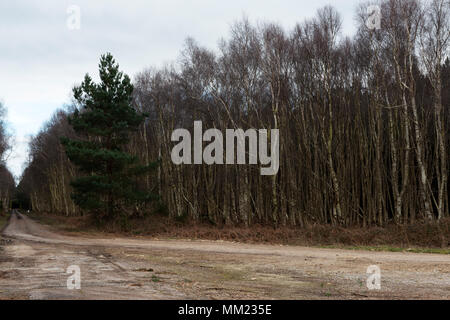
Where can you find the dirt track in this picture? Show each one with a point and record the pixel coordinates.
(34, 260)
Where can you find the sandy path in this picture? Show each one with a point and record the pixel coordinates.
(34, 259)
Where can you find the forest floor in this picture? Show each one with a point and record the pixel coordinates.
(421, 237)
(34, 259)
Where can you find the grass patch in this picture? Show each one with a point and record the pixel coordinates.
(391, 249)
(155, 278)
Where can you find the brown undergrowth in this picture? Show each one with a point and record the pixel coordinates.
(420, 234)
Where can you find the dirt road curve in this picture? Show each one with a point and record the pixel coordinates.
(34, 260)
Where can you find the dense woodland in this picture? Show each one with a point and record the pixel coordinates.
(7, 184)
(364, 124)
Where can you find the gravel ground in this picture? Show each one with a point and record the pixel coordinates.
(34, 260)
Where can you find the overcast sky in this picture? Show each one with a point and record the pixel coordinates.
(41, 59)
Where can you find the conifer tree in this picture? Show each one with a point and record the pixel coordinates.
(104, 119)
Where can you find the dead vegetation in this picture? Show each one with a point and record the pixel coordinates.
(421, 234)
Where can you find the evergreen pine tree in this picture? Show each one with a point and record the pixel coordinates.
(104, 119)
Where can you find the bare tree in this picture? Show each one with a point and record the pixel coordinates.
(434, 41)
(363, 123)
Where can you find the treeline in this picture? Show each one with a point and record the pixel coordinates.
(363, 123)
(7, 184)
(45, 182)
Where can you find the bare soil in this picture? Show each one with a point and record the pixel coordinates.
(34, 259)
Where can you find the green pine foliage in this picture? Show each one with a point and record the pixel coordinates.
(104, 120)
